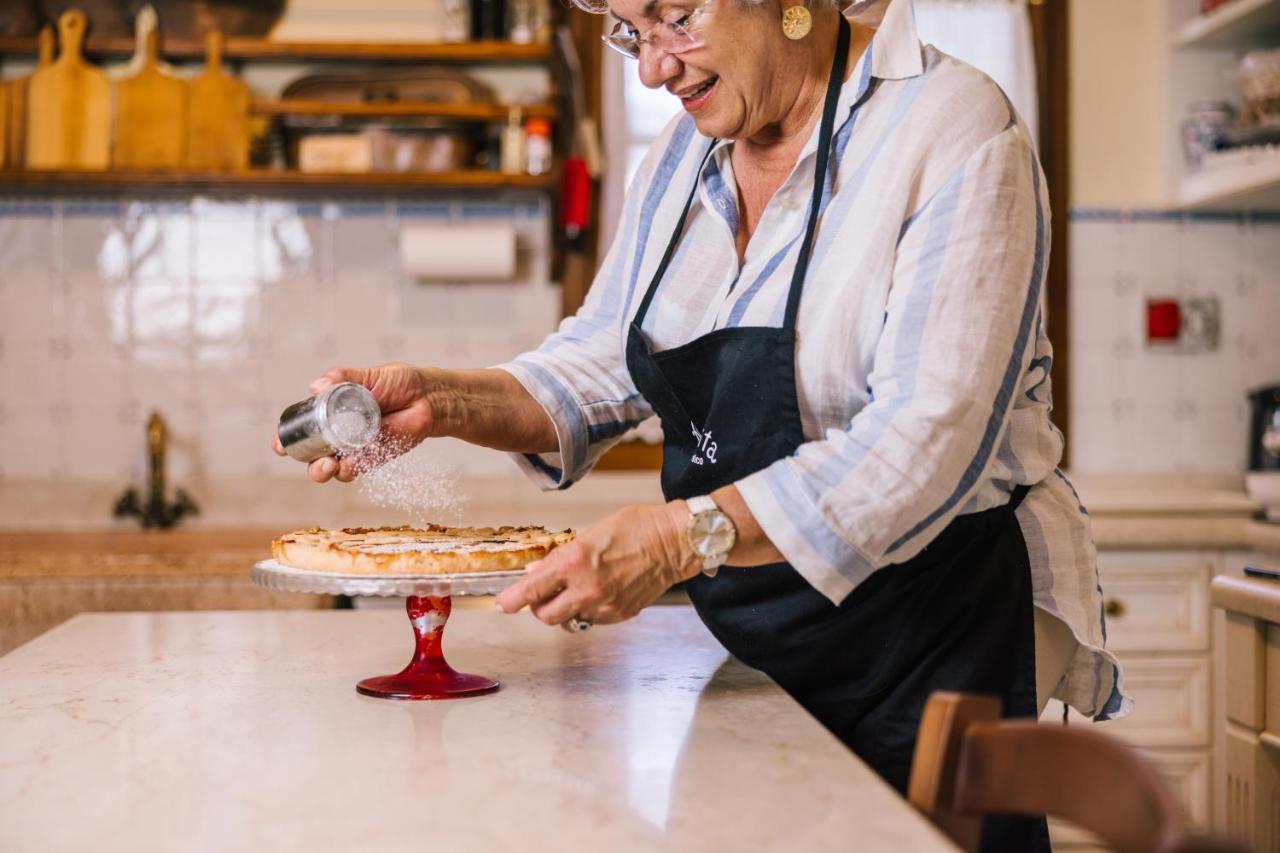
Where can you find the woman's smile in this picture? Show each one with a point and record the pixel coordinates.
(696, 97)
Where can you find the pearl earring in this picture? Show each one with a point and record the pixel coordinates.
(796, 22)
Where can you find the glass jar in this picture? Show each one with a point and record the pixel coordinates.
(1203, 129)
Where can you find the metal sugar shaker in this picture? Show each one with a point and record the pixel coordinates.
(341, 419)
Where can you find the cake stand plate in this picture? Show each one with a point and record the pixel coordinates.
(428, 601)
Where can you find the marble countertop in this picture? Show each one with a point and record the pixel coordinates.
(1164, 494)
(243, 731)
(1174, 511)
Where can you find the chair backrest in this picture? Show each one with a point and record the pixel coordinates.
(968, 763)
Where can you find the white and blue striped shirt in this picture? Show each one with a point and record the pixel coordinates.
(922, 363)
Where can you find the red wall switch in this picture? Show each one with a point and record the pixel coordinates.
(1164, 320)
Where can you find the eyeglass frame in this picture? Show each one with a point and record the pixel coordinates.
(695, 14)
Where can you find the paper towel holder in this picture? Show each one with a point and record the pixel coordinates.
(474, 252)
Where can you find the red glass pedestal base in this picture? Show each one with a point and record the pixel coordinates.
(427, 676)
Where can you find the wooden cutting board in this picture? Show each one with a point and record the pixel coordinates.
(16, 103)
(4, 124)
(150, 115)
(217, 114)
(68, 107)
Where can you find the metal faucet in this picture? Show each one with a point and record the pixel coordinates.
(157, 512)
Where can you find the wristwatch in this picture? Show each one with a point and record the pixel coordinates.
(711, 533)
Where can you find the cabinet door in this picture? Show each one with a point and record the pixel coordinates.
(1156, 601)
(1253, 789)
(1188, 773)
(1170, 702)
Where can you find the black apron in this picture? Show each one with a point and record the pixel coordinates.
(958, 616)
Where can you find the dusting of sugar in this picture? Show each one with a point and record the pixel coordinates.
(393, 475)
(462, 547)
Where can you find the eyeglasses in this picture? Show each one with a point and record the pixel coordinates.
(678, 35)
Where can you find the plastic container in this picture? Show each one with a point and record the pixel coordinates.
(537, 146)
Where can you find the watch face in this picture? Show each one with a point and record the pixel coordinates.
(711, 534)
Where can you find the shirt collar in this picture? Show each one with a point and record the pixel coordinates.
(895, 52)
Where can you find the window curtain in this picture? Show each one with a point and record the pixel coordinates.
(994, 36)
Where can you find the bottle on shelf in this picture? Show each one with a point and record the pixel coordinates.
(537, 146)
(513, 144)
(456, 23)
(528, 21)
(488, 19)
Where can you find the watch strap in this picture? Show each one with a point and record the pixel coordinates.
(697, 506)
(702, 503)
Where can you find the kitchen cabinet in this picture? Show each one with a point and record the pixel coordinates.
(1162, 539)
(1251, 724)
(1159, 623)
(1205, 49)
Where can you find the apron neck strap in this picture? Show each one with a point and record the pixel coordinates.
(826, 130)
(673, 242)
(825, 133)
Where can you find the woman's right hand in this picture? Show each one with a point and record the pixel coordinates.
(407, 418)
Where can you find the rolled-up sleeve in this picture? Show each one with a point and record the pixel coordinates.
(579, 374)
(958, 335)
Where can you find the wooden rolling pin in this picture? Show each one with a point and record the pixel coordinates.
(68, 107)
(150, 114)
(217, 115)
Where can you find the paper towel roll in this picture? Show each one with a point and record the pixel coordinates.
(480, 251)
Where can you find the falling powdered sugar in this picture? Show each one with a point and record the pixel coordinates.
(392, 477)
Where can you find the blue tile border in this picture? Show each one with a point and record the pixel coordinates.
(427, 209)
(89, 208)
(508, 204)
(18, 208)
(1107, 214)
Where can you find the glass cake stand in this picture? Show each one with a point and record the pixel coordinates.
(428, 600)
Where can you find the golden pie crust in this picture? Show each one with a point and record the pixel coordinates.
(433, 550)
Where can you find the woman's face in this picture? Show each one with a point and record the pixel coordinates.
(742, 57)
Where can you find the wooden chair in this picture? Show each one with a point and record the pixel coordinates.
(968, 763)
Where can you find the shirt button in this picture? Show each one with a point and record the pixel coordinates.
(724, 203)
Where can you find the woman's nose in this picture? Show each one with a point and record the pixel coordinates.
(656, 66)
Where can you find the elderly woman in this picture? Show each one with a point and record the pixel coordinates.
(827, 284)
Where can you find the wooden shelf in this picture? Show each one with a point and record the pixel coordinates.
(1236, 25)
(471, 111)
(488, 52)
(31, 180)
(1247, 186)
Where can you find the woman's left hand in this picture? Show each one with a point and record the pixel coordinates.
(611, 571)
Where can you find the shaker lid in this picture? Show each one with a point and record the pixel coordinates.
(351, 416)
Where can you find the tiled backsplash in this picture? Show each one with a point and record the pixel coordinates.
(217, 314)
(1136, 408)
